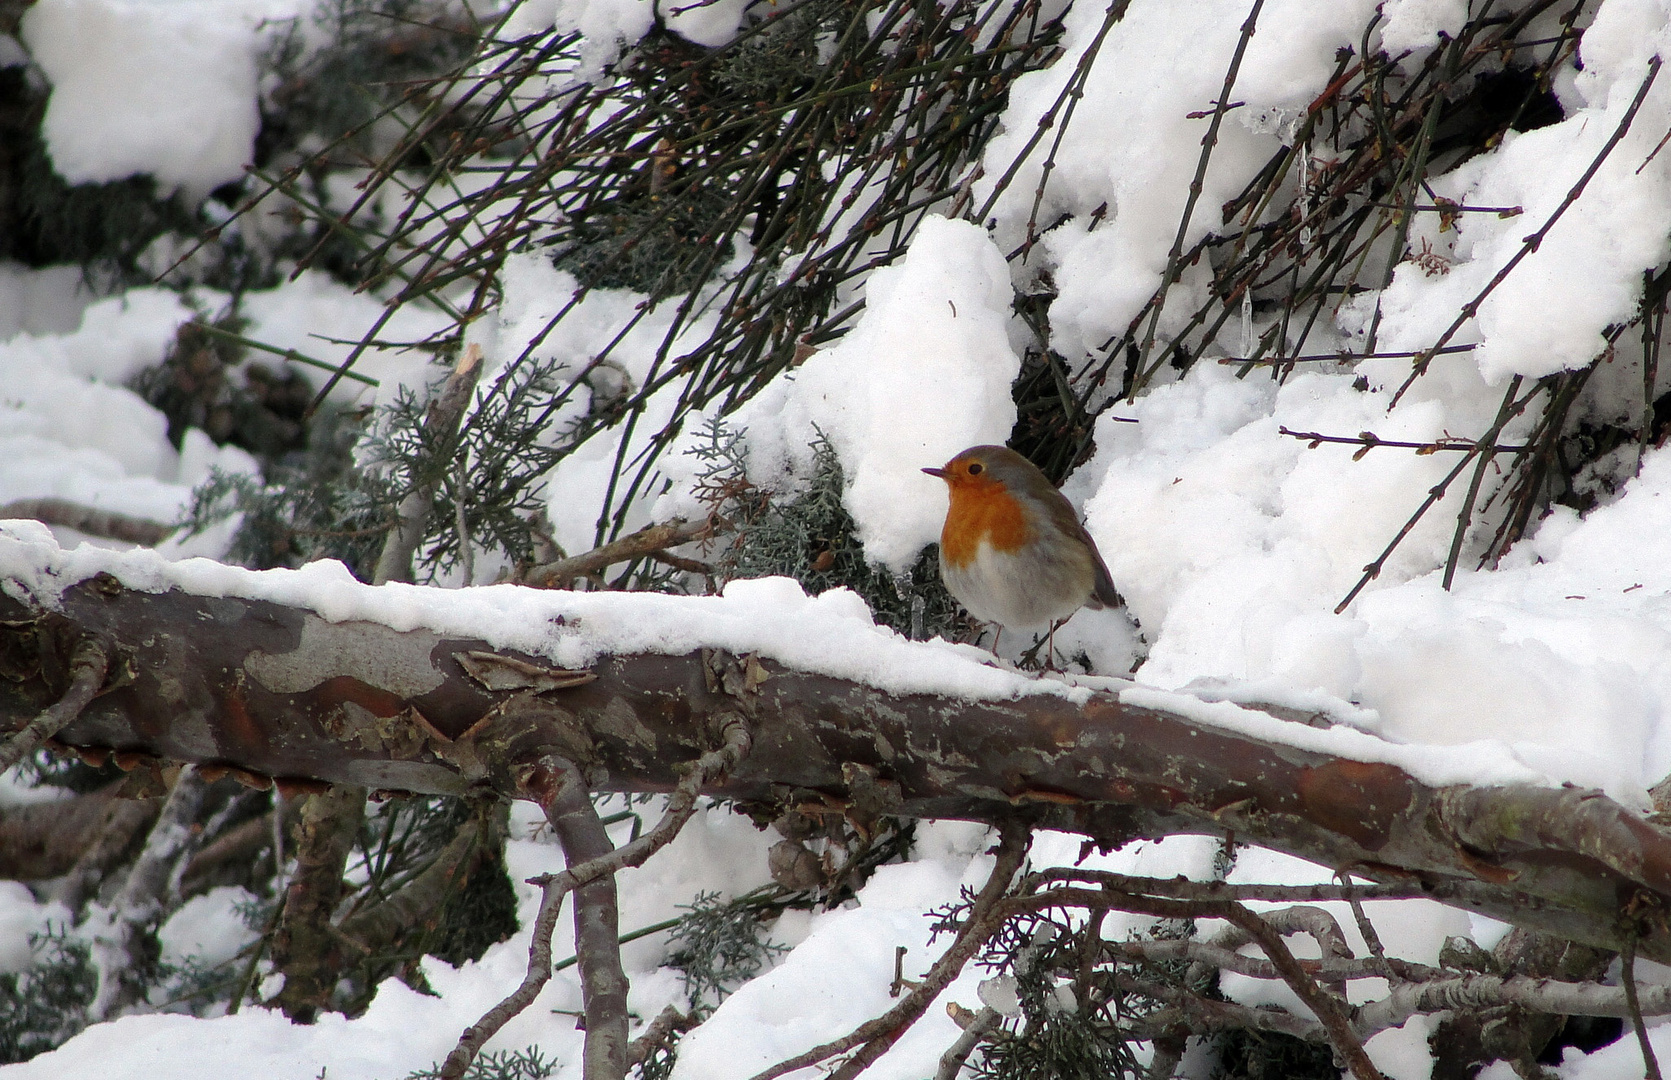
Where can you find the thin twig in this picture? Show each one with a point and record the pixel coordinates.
(546, 782)
(1465, 516)
(874, 1037)
(1486, 444)
(1174, 259)
(653, 540)
(1365, 928)
(1533, 241)
(1369, 440)
(1342, 357)
(88, 664)
(1627, 975)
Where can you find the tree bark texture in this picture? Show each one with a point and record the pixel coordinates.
(275, 691)
(306, 946)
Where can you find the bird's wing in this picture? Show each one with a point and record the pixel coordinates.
(1104, 589)
(1063, 515)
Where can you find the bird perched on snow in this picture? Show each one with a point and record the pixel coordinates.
(1012, 550)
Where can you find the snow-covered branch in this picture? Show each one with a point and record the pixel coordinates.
(276, 690)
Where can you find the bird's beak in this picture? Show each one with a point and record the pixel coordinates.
(941, 473)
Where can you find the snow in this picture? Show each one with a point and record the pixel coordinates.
(1232, 542)
(207, 928)
(161, 87)
(925, 374)
(1135, 150)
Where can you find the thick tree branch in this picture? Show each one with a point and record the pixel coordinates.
(40, 841)
(597, 925)
(89, 519)
(279, 691)
(135, 909)
(306, 946)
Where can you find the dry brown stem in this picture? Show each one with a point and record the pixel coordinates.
(651, 541)
(89, 519)
(873, 1038)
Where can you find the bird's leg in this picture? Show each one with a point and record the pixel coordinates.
(997, 632)
(1050, 646)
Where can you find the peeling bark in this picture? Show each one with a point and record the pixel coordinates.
(277, 691)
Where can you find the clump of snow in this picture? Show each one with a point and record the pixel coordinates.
(166, 89)
(1135, 146)
(620, 343)
(42, 301)
(22, 919)
(1586, 274)
(1415, 24)
(207, 928)
(925, 373)
(609, 27)
(71, 429)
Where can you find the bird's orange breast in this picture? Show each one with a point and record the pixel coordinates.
(984, 512)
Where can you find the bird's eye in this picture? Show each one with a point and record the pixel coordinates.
(974, 468)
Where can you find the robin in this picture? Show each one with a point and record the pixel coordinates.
(1012, 550)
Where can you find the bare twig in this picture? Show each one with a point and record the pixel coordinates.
(1627, 976)
(951, 1062)
(1174, 259)
(88, 665)
(1369, 441)
(1486, 444)
(1465, 516)
(547, 782)
(1366, 928)
(652, 540)
(1115, 12)
(874, 1037)
(1342, 357)
(1219, 891)
(1533, 240)
(1328, 1009)
(667, 1023)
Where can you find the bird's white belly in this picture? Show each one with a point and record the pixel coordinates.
(1004, 587)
